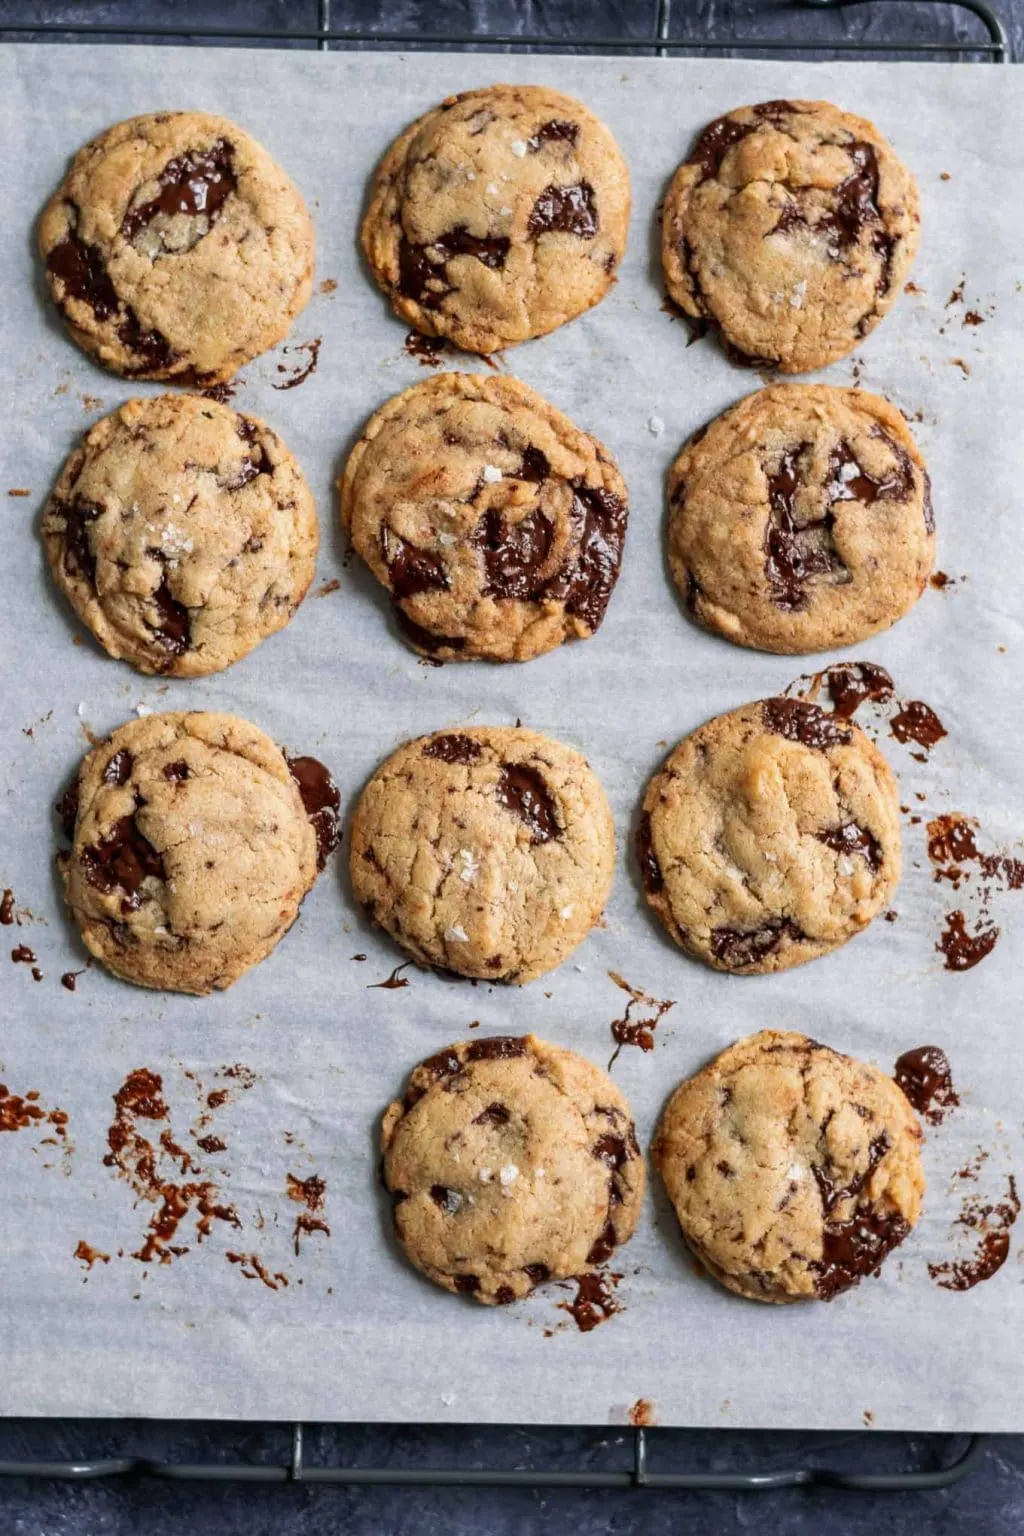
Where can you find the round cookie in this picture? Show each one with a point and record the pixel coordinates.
(176, 248)
(792, 227)
(770, 836)
(193, 842)
(498, 216)
(794, 1170)
(484, 850)
(495, 523)
(801, 519)
(182, 534)
(510, 1162)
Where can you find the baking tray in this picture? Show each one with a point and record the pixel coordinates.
(165, 1373)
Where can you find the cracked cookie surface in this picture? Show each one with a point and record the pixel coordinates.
(176, 248)
(193, 842)
(498, 216)
(484, 850)
(495, 523)
(511, 1162)
(182, 534)
(801, 519)
(792, 227)
(794, 1170)
(770, 837)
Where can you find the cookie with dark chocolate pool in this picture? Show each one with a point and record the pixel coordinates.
(484, 850)
(498, 216)
(510, 1162)
(495, 523)
(794, 1170)
(770, 836)
(176, 248)
(791, 227)
(801, 519)
(194, 839)
(182, 533)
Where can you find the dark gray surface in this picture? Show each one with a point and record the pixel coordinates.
(991, 1500)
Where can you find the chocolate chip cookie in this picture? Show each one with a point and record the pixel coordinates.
(498, 216)
(484, 850)
(193, 841)
(182, 534)
(794, 1170)
(176, 248)
(770, 836)
(494, 522)
(801, 519)
(510, 1162)
(792, 227)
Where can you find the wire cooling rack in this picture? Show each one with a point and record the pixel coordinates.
(659, 42)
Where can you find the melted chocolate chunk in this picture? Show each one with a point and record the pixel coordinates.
(538, 1273)
(494, 1114)
(806, 723)
(151, 347)
(67, 810)
(650, 869)
(925, 1076)
(119, 767)
(466, 1283)
(587, 585)
(411, 570)
(917, 722)
(737, 949)
(855, 1248)
(417, 272)
(504, 1295)
(963, 950)
(194, 183)
(832, 1194)
(497, 1048)
(81, 269)
(122, 861)
(604, 1247)
(850, 684)
(594, 1302)
(177, 771)
(853, 838)
(612, 1151)
(715, 142)
(254, 464)
(522, 790)
(453, 749)
(321, 800)
(557, 131)
(514, 554)
(849, 481)
(567, 210)
(534, 465)
(795, 552)
(173, 631)
(79, 559)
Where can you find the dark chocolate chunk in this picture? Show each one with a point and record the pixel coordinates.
(794, 552)
(715, 142)
(853, 838)
(521, 789)
(453, 749)
(831, 1193)
(851, 683)
(737, 949)
(557, 131)
(67, 810)
(497, 1048)
(538, 1273)
(80, 268)
(321, 800)
(466, 1283)
(119, 767)
(925, 1076)
(494, 1114)
(860, 486)
(448, 1200)
(177, 771)
(122, 861)
(173, 629)
(567, 210)
(917, 722)
(534, 465)
(195, 183)
(855, 1248)
(586, 585)
(79, 559)
(650, 869)
(605, 1245)
(411, 570)
(504, 1295)
(809, 724)
(514, 554)
(417, 272)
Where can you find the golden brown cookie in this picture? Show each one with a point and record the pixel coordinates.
(770, 836)
(498, 216)
(176, 248)
(182, 533)
(794, 1170)
(792, 227)
(801, 519)
(495, 523)
(485, 850)
(510, 1162)
(193, 842)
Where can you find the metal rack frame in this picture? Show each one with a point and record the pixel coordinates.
(659, 43)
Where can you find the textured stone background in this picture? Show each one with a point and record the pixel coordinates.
(990, 1500)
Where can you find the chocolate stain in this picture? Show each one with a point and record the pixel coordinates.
(311, 1193)
(90, 1255)
(991, 1224)
(253, 1268)
(638, 1032)
(594, 1301)
(952, 847)
(925, 1077)
(300, 371)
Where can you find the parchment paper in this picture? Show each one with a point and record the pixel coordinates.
(356, 1334)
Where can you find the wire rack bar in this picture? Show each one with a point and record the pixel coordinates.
(639, 1476)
